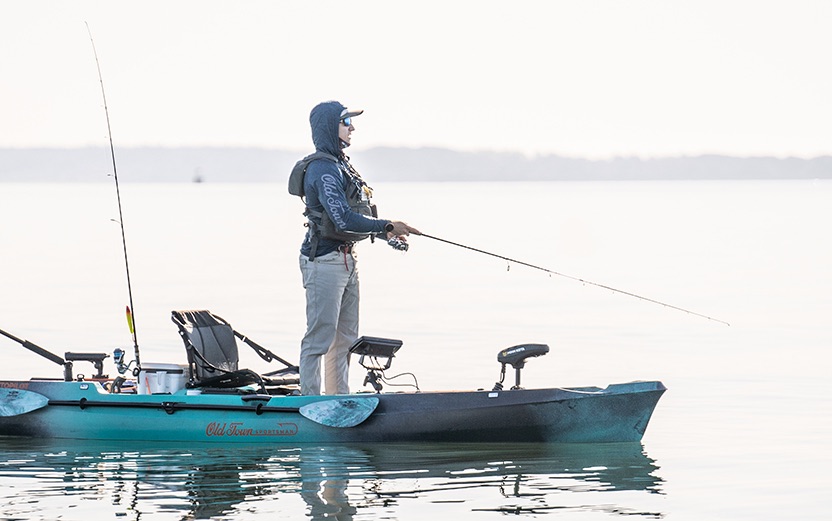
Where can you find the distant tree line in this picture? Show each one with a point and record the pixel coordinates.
(217, 164)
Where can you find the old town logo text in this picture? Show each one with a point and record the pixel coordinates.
(234, 429)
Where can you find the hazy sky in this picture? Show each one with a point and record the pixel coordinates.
(578, 78)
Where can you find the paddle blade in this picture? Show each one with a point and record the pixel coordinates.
(14, 402)
(341, 412)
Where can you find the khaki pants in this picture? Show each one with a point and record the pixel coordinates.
(331, 283)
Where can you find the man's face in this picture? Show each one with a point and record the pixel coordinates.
(345, 129)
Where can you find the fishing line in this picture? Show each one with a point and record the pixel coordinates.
(584, 281)
(130, 318)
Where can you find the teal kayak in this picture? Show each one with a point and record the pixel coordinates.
(211, 400)
(85, 410)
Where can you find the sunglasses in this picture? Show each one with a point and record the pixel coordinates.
(347, 121)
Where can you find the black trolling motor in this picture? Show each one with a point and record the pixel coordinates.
(516, 357)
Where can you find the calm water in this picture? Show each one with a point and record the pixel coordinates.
(742, 433)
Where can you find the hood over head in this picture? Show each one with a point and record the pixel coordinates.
(324, 120)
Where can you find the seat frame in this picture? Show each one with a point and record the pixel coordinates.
(272, 382)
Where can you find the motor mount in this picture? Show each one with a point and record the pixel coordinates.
(516, 357)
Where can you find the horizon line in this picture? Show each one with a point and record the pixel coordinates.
(525, 155)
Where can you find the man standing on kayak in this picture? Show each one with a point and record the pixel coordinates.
(339, 215)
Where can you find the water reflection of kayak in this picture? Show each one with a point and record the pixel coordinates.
(208, 481)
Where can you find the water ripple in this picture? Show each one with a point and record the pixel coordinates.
(77, 480)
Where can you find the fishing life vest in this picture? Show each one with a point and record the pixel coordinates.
(358, 197)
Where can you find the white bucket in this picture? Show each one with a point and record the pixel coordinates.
(161, 378)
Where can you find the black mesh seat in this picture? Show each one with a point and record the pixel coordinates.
(213, 358)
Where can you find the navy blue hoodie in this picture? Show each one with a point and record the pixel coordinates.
(325, 183)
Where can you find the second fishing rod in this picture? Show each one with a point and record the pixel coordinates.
(129, 308)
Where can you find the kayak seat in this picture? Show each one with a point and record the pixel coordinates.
(213, 356)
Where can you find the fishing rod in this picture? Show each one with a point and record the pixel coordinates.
(584, 281)
(130, 318)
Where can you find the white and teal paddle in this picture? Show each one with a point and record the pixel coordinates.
(336, 412)
(14, 402)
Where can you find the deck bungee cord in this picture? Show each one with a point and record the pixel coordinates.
(578, 279)
(131, 319)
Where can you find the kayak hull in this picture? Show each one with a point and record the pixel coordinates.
(85, 410)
